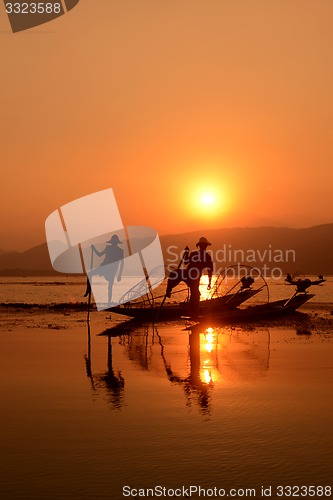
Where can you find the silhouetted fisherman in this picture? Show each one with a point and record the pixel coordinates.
(113, 262)
(196, 261)
(246, 281)
(303, 284)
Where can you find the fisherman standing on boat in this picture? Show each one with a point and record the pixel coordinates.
(303, 284)
(196, 261)
(113, 262)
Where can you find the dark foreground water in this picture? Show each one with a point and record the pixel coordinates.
(226, 409)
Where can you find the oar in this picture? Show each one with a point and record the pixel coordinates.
(186, 249)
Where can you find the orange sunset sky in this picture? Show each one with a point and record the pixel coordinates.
(167, 101)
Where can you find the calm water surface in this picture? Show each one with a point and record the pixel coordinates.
(63, 289)
(84, 415)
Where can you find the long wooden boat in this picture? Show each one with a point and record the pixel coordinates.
(275, 309)
(172, 311)
(252, 314)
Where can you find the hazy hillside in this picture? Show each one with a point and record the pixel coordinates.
(35, 259)
(309, 250)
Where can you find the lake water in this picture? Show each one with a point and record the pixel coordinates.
(63, 289)
(84, 415)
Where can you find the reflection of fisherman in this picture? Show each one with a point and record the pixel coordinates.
(193, 384)
(113, 383)
(113, 260)
(196, 262)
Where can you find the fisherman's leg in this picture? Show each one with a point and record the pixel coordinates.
(88, 288)
(174, 279)
(90, 274)
(110, 286)
(194, 297)
(97, 271)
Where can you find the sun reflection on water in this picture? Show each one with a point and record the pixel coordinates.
(209, 373)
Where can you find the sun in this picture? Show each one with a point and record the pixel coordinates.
(208, 199)
(206, 202)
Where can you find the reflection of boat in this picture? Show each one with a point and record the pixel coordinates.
(176, 311)
(198, 360)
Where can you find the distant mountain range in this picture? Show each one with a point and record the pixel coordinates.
(35, 261)
(309, 250)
